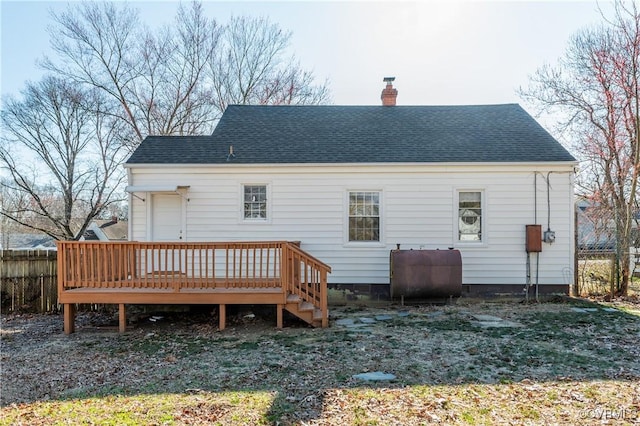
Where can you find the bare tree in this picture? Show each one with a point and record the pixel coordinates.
(595, 87)
(171, 92)
(10, 201)
(155, 80)
(62, 152)
(97, 47)
(177, 80)
(253, 68)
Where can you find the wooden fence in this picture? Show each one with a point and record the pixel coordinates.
(28, 280)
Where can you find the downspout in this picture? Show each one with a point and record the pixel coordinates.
(535, 221)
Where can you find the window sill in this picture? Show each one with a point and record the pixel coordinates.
(470, 244)
(256, 221)
(364, 244)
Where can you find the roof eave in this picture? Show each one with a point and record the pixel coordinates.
(573, 163)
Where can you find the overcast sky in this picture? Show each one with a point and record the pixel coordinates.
(440, 52)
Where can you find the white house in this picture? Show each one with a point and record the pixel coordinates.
(352, 182)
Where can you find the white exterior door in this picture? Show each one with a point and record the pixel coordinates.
(166, 226)
(166, 217)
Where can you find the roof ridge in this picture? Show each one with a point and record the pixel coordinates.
(374, 106)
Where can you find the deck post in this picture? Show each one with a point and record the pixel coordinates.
(324, 296)
(122, 318)
(69, 318)
(222, 313)
(279, 310)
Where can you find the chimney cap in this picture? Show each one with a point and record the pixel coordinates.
(388, 79)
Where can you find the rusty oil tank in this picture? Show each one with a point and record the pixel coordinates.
(425, 274)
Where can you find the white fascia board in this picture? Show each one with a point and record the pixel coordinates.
(155, 188)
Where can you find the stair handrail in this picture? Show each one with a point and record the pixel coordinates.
(313, 289)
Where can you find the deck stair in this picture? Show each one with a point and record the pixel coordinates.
(306, 311)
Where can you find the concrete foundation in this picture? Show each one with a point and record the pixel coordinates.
(340, 294)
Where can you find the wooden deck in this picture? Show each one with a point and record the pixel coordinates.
(275, 273)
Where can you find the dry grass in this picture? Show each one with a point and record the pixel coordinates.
(559, 366)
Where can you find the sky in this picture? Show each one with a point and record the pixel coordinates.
(441, 53)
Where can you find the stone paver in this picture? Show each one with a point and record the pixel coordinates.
(374, 376)
(383, 317)
(487, 318)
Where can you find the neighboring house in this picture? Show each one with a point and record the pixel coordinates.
(26, 241)
(597, 235)
(351, 182)
(107, 230)
(593, 233)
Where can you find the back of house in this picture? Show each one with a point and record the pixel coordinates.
(351, 183)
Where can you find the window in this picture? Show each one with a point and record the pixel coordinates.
(364, 216)
(255, 202)
(469, 216)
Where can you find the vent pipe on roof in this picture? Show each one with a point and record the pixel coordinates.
(389, 94)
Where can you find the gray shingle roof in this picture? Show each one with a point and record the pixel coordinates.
(361, 134)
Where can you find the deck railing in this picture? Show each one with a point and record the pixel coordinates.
(180, 265)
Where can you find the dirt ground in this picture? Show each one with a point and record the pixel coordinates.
(466, 343)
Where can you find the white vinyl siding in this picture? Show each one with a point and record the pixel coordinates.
(418, 210)
(138, 217)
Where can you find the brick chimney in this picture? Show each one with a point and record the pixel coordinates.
(389, 94)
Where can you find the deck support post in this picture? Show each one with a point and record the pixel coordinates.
(222, 313)
(279, 310)
(69, 318)
(122, 318)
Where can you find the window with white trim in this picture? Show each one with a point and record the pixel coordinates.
(364, 216)
(255, 202)
(470, 216)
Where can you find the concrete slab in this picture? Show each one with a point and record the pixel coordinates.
(367, 320)
(345, 321)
